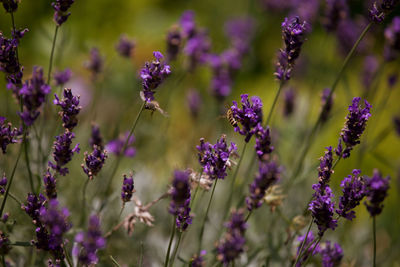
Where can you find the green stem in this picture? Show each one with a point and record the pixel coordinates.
(374, 236)
(28, 165)
(15, 198)
(271, 111)
(302, 244)
(195, 192)
(84, 200)
(141, 254)
(52, 55)
(11, 180)
(114, 261)
(170, 243)
(21, 244)
(248, 216)
(67, 256)
(176, 249)
(312, 252)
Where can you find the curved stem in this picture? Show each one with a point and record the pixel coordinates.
(302, 244)
(10, 183)
(170, 243)
(206, 215)
(374, 236)
(52, 55)
(15, 198)
(176, 249)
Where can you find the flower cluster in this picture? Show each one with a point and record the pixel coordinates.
(95, 62)
(10, 5)
(95, 137)
(89, 243)
(125, 47)
(379, 10)
(293, 34)
(62, 77)
(268, 174)
(194, 102)
(3, 183)
(370, 68)
(353, 193)
(331, 255)
(63, 153)
(232, 244)
(174, 42)
(356, 122)
(70, 108)
(49, 182)
(249, 116)
(5, 244)
(153, 74)
(392, 40)
(263, 145)
(8, 134)
(180, 200)
(128, 188)
(325, 166)
(376, 189)
(326, 104)
(308, 240)
(215, 159)
(33, 93)
(94, 161)
(336, 11)
(198, 260)
(117, 145)
(61, 13)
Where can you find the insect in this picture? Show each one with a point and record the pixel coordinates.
(231, 119)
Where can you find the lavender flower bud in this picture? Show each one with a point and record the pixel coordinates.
(128, 189)
(174, 42)
(5, 244)
(380, 9)
(96, 138)
(289, 102)
(198, 260)
(180, 200)
(215, 159)
(95, 62)
(197, 48)
(63, 153)
(10, 5)
(376, 189)
(325, 167)
(50, 185)
(8, 135)
(293, 34)
(232, 244)
(353, 193)
(33, 206)
(326, 104)
(187, 23)
(115, 146)
(61, 13)
(249, 116)
(89, 243)
(3, 184)
(125, 47)
(268, 174)
(94, 161)
(356, 121)
(322, 207)
(306, 254)
(62, 77)
(33, 93)
(331, 255)
(153, 74)
(70, 108)
(263, 145)
(336, 10)
(194, 102)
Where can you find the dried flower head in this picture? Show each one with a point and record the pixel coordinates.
(205, 182)
(274, 197)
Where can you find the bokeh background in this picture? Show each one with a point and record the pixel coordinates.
(165, 143)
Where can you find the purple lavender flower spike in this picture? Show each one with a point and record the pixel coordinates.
(153, 74)
(10, 5)
(347, 32)
(187, 23)
(263, 145)
(232, 244)
(50, 185)
(325, 167)
(356, 121)
(326, 104)
(331, 255)
(96, 138)
(174, 42)
(180, 200)
(94, 161)
(61, 13)
(5, 244)
(33, 93)
(33, 206)
(335, 11)
(197, 48)
(306, 254)
(3, 184)
(392, 40)
(115, 146)
(370, 68)
(353, 193)
(322, 207)
(128, 189)
(125, 47)
(240, 32)
(194, 102)
(89, 243)
(198, 260)
(376, 189)
(289, 102)
(62, 77)
(215, 159)
(95, 63)
(268, 174)
(293, 34)
(249, 116)
(63, 153)
(380, 9)
(8, 134)
(70, 108)
(221, 81)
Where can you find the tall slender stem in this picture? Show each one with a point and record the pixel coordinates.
(28, 165)
(312, 251)
(176, 249)
(248, 216)
(10, 182)
(374, 236)
(195, 192)
(84, 200)
(52, 54)
(170, 242)
(271, 110)
(206, 216)
(302, 244)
